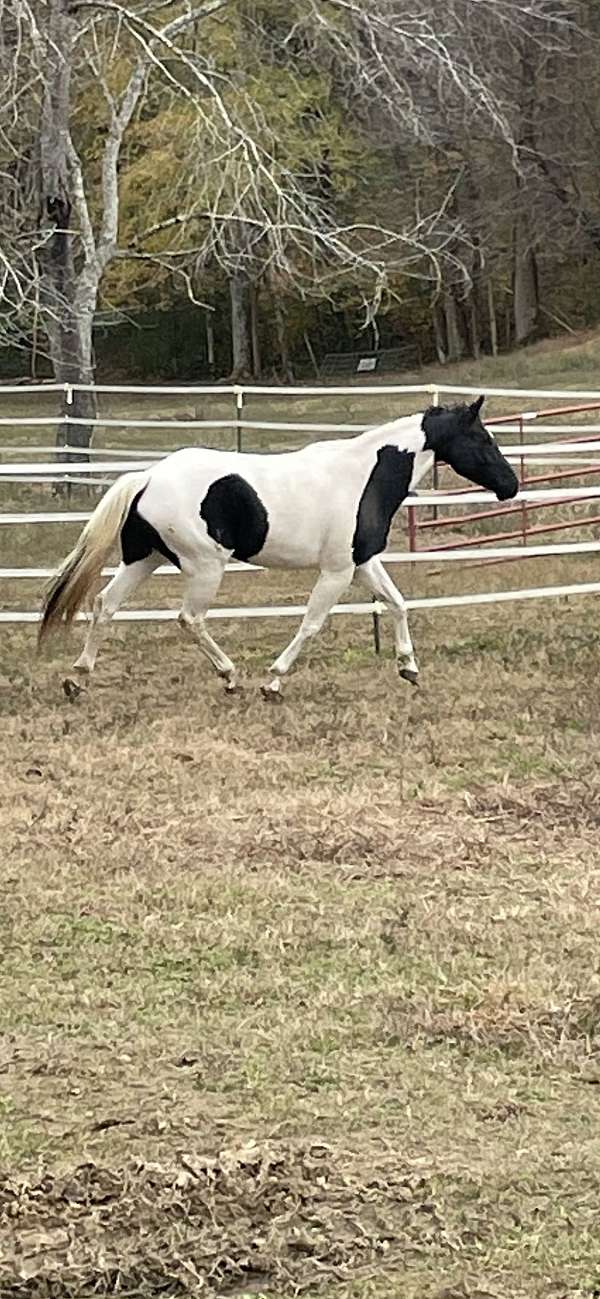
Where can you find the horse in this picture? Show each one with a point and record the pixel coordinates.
(328, 506)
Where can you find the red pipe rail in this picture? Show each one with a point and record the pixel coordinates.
(530, 416)
(534, 531)
(504, 510)
(517, 532)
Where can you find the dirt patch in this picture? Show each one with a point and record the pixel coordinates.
(274, 1217)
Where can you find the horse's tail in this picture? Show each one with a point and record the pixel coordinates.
(80, 571)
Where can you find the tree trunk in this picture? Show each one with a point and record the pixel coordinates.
(69, 301)
(439, 333)
(491, 305)
(508, 327)
(469, 201)
(285, 364)
(70, 347)
(253, 300)
(241, 344)
(526, 303)
(474, 325)
(210, 343)
(311, 352)
(454, 327)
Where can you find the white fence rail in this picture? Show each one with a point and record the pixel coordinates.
(113, 461)
(297, 610)
(391, 557)
(290, 390)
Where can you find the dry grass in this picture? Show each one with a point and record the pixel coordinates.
(304, 1000)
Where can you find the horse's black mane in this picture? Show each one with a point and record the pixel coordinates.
(459, 409)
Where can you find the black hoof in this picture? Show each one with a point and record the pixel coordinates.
(72, 688)
(231, 685)
(409, 674)
(274, 696)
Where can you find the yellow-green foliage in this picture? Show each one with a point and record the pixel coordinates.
(175, 153)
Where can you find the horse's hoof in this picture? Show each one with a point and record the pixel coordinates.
(72, 688)
(409, 674)
(272, 692)
(231, 681)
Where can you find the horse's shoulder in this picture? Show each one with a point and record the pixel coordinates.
(387, 486)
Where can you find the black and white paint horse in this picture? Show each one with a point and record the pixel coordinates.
(328, 506)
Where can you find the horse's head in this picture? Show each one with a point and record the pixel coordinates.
(456, 435)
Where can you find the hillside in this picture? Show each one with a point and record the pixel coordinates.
(566, 361)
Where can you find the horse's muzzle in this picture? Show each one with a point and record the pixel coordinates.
(509, 490)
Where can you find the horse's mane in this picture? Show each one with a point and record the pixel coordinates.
(459, 409)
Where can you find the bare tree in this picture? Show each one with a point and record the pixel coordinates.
(62, 215)
(66, 233)
(240, 203)
(469, 84)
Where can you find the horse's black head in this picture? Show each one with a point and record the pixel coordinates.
(457, 436)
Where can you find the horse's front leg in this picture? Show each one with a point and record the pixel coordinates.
(329, 587)
(379, 582)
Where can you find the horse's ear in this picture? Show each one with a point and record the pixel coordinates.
(475, 407)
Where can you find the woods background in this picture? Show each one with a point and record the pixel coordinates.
(239, 187)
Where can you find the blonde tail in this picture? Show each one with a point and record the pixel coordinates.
(81, 570)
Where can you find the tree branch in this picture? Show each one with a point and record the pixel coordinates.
(129, 100)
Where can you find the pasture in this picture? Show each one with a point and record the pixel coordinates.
(303, 999)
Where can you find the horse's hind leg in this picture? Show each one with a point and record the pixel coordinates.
(122, 585)
(201, 589)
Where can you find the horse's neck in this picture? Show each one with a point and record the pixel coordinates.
(407, 435)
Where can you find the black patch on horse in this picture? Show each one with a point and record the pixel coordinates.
(387, 487)
(139, 538)
(235, 516)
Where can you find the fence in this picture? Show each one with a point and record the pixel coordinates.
(574, 448)
(378, 360)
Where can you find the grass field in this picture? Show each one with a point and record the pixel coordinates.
(304, 999)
